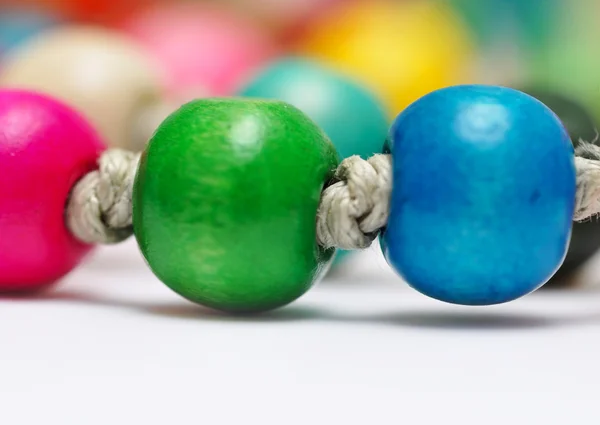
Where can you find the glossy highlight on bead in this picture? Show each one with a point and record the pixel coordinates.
(483, 194)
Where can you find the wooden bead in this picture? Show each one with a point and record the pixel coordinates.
(45, 147)
(483, 197)
(225, 203)
(100, 73)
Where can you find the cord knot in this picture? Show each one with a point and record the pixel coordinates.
(356, 206)
(100, 206)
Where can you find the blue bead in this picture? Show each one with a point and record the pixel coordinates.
(350, 115)
(483, 196)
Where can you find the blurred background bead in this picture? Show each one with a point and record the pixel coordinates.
(570, 63)
(88, 11)
(45, 147)
(253, 171)
(535, 21)
(102, 74)
(204, 50)
(483, 196)
(531, 22)
(18, 25)
(509, 33)
(287, 19)
(350, 115)
(402, 49)
(585, 240)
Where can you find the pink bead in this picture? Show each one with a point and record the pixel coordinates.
(204, 51)
(45, 147)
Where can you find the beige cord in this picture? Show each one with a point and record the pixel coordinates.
(351, 213)
(100, 206)
(355, 208)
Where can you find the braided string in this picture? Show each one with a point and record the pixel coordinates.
(352, 211)
(100, 207)
(355, 208)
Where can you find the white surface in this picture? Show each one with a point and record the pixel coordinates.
(112, 345)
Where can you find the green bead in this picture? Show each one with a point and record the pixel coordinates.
(225, 203)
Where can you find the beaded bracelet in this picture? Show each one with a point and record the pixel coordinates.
(238, 204)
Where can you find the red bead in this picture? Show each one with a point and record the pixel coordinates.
(45, 147)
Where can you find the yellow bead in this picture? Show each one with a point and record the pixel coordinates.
(404, 50)
(98, 72)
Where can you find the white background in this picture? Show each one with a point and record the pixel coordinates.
(112, 345)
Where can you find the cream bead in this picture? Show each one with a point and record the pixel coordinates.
(102, 74)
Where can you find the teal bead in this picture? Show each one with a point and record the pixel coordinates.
(352, 117)
(225, 203)
(531, 21)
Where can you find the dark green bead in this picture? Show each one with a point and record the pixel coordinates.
(225, 203)
(577, 120)
(585, 239)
